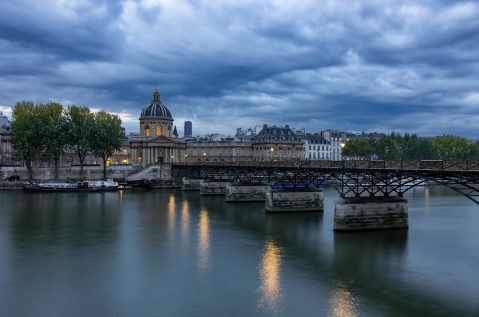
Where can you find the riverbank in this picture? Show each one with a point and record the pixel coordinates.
(67, 172)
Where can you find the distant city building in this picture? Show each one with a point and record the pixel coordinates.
(338, 140)
(276, 143)
(188, 131)
(315, 147)
(155, 143)
(224, 150)
(6, 150)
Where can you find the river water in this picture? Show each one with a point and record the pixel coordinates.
(173, 253)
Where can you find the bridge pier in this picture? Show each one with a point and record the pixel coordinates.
(212, 187)
(366, 213)
(240, 193)
(191, 183)
(294, 200)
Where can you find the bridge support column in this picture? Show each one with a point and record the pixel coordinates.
(297, 200)
(239, 193)
(371, 213)
(191, 183)
(212, 188)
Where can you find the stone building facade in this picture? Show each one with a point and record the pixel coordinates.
(337, 139)
(7, 156)
(218, 151)
(156, 143)
(315, 147)
(276, 144)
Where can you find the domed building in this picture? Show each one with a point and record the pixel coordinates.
(156, 119)
(157, 142)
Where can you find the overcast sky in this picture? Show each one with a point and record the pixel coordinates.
(374, 65)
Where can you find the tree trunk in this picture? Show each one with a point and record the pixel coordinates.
(81, 159)
(104, 167)
(56, 168)
(29, 167)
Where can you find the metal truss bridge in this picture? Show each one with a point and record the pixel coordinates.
(351, 178)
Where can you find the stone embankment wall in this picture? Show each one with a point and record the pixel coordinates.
(367, 213)
(45, 174)
(285, 200)
(160, 172)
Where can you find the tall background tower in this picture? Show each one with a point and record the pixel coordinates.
(188, 131)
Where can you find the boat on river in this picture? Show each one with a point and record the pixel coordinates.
(87, 186)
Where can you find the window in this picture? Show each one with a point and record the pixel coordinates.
(158, 130)
(147, 131)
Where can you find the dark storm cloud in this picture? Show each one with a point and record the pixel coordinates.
(357, 65)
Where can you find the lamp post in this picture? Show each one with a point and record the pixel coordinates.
(271, 150)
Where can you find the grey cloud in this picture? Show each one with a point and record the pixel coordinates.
(359, 65)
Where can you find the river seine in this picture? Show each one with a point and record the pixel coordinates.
(173, 253)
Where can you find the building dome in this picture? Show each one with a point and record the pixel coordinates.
(156, 109)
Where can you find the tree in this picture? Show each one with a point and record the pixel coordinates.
(389, 148)
(26, 139)
(80, 122)
(450, 147)
(359, 148)
(107, 136)
(54, 131)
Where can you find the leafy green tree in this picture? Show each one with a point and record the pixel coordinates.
(359, 148)
(80, 123)
(54, 132)
(26, 139)
(389, 148)
(450, 147)
(107, 136)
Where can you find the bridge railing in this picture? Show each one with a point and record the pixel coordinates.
(406, 165)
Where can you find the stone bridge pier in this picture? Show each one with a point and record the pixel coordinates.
(294, 199)
(192, 184)
(208, 187)
(364, 213)
(240, 192)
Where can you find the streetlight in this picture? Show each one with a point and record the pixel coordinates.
(272, 153)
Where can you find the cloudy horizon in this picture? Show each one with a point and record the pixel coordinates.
(403, 66)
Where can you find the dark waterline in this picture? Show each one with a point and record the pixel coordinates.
(173, 253)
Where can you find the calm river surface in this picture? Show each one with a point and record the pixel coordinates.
(173, 253)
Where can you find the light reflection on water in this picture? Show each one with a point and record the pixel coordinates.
(106, 255)
(171, 215)
(343, 303)
(185, 220)
(203, 240)
(270, 277)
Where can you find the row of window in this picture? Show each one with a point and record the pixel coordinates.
(322, 148)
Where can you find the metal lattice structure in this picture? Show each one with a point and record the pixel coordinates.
(353, 178)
